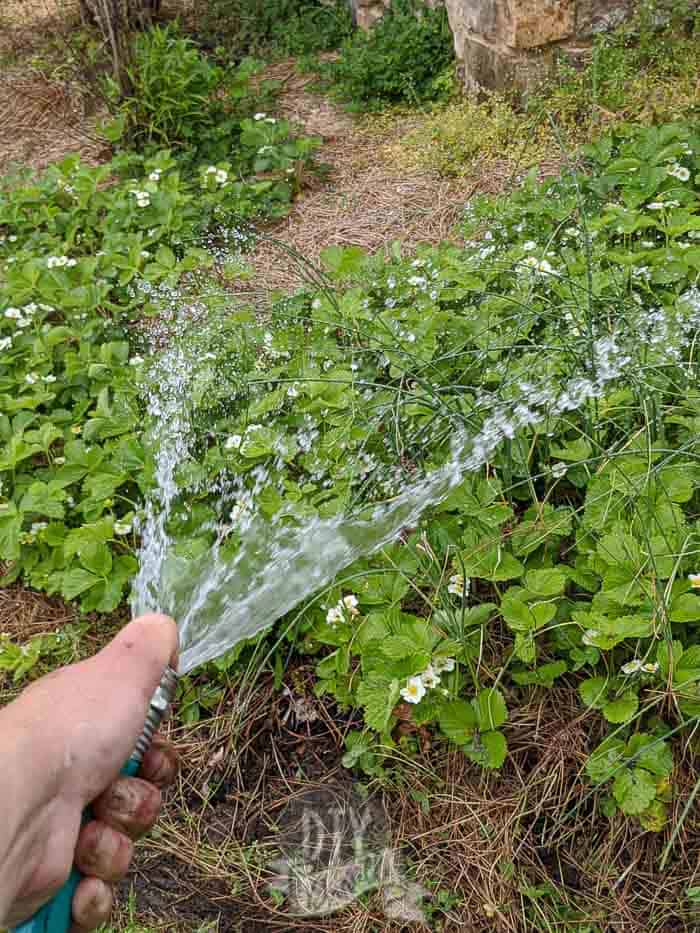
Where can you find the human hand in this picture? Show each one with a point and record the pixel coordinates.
(65, 740)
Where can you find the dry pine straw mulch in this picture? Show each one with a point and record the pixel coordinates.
(361, 198)
(486, 839)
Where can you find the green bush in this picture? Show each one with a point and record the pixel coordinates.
(272, 28)
(403, 58)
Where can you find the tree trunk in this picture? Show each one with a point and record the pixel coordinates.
(115, 20)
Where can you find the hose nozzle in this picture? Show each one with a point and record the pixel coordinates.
(160, 703)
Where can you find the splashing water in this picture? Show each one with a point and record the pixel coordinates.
(219, 599)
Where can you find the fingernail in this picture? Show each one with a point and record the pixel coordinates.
(123, 797)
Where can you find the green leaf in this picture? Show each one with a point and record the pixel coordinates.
(605, 760)
(378, 697)
(651, 753)
(655, 817)
(166, 257)
(545, 583)
(543, 676)
(623, 708)
(44, 499)
(516, 613)
(605, 632)
(574, 451)
(594, 692)
(525, 648)
(356, 744)
(398, 647)
(491, 710)
(634, 790)
(373, 628)
(96, 558)
(479, 615)
(492, 562)
(458, 721)
(488, 749)
(77, 581)
(342, 262)
(10, 531)
(685, 608)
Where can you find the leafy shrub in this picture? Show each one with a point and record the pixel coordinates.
(238, 28)
(181, 100)
(403, 57)
(561, 339)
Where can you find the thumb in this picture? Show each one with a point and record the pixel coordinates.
(95, 711)
(119, 683)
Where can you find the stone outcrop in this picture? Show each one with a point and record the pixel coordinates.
(511, 43)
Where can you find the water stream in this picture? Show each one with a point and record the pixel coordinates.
(219, 599)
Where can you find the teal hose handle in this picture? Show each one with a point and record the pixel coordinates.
(56, 916)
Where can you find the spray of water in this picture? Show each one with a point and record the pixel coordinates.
(219, 599)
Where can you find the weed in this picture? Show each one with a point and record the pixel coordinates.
(404, 57)
(239, 28)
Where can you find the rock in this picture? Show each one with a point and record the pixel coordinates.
(512, 44)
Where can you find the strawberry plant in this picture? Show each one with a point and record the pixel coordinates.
(551, 357)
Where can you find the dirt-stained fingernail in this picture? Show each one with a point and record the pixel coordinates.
(124, 797)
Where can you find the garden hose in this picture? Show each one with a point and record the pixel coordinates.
(56, 916)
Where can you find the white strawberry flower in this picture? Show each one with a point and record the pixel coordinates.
(694, 580)
(350, 603)
(443, 665)
(233, 442)
(334, 615)
(430, 677)
(458, 586)
(679, 172)
(414, 691)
